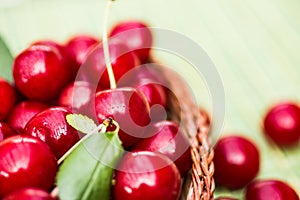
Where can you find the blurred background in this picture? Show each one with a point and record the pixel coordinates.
(255, 45)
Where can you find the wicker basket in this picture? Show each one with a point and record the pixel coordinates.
(199, 183)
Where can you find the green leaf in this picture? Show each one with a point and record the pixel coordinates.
(87, 171)
(6, 60)
(81, 123)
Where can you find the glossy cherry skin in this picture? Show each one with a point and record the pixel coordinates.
(78, 96)
(69, 63)
(29, 194)
(129, 108)
(78, 48)
(121, 61)
(236, 162)
(282, 124)
(52, 127)
(270, 190)
(166, 137)
(6, 131)
(39, 72)
(26, 162)
(149, 81)
(136, 35)
(23, 112)
(8, 98)
(146, 175)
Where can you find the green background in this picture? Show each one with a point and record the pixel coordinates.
(254, 44)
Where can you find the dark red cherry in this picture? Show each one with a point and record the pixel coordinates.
(78, 48)
(78, 96)
(52, 127)
(168, 139)
(146, 175)
(136, 35)
(270, 190)
(8, 98)
(29, 194)
(128, 107)
(121, 61)
(25, 162)
(23, 112)
(282, 124)
(39, 72)
(225, 198)
(6, 131)
(236, 161)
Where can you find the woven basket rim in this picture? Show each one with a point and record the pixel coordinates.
(198, 183)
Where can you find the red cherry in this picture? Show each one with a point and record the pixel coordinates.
(147, 80)
(6, 131)
(39, 72)
(146, 175)
(23, 112)
(236, 162)
(8, 98)
(136, 35)
(69, 63)
(52, 127)
(29, 194)
(121, 61)
(25, 162)
(154, 93)
(78, 96)
(270, 190)
(282, 124)
(78, 48)
(168, 139)
(128, 107)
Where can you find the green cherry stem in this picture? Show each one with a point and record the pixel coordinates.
(111, 75)
(99, 129)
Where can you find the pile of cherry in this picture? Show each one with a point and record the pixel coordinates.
(53, 80)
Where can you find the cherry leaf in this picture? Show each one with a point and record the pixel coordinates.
(81, 123)
(87, 171)
(6, 60)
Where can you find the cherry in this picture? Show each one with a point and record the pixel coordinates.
(52, 127)
(29, 194)
(23, 112)
(168, 139)
(78, 48)
(121, 61)
(39, 72)
(136, 35)
(282, 124)
(67, 58)
(6, 131)
(148, 81)
(25, 162)
(146, 175)
(236, 161)
(128, 107)
(78, 96)
(270, 190)
(8, 98)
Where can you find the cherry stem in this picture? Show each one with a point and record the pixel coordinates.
(111, 75)
(99, 129)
